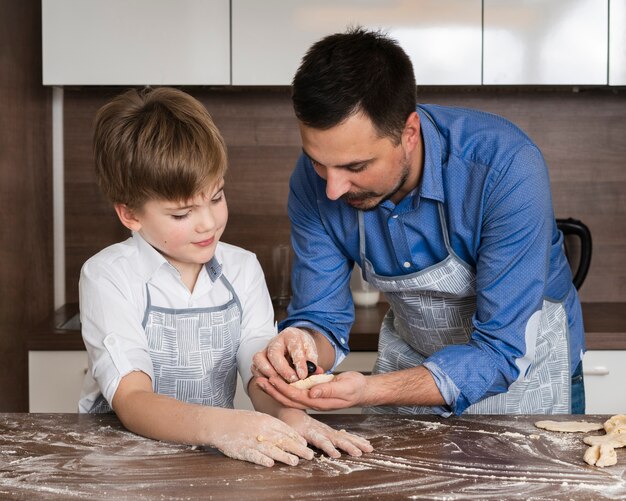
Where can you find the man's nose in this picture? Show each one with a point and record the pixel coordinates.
(337, 184)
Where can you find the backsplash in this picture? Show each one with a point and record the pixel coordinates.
(581, 134)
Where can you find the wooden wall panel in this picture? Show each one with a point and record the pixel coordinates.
(582, 136)
(26, 274)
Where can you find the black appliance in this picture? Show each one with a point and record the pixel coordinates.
(578, 229)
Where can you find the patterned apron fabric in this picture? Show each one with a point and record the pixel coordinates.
(433, 308)
(193, 350)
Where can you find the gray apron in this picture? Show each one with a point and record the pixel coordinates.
(193, 350)
(433, 308)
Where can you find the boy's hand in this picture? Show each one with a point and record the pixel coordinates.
(258, 438)
(323, 436)
(291, 348)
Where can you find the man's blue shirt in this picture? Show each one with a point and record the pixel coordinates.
(493, 183)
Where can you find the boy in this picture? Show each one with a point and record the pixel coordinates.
(169, 315)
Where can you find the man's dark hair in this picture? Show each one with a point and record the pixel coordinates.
(357, 71)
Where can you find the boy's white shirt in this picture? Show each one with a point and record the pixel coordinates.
(113, 301)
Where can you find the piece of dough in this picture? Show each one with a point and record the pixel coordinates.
(305, 384)
(616, 424)
(569, 426)
(602, 451)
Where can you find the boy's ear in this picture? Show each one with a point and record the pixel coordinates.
(127, 217)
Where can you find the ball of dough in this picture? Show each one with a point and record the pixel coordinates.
(305, 384)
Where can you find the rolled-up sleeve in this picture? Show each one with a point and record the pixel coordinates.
(257, 326)
(111, 330)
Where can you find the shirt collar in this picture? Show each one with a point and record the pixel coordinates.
(431, 182)
(150, 260)
(432, 170)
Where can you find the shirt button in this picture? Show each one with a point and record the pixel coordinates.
(343, 340)
(395, 216)
(407, 264)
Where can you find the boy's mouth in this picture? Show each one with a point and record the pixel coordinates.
(205, 243)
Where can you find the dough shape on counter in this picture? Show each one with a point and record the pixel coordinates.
(569, 426)
(616, 424)
(305, 384)
(602, 451)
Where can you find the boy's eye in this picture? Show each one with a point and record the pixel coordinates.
(218, 196)
(178, 217)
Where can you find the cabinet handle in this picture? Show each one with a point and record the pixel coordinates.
(596, 371)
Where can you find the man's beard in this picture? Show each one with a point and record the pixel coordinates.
(369, 200)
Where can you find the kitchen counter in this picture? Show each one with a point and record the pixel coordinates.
(605, 326)
(63, 456)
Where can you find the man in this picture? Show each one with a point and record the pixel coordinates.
(449, 213)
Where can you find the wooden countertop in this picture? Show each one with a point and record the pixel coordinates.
(605, 326)
(63, 456)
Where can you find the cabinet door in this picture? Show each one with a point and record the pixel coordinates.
(55, 380)
(617, 42)
(605, 373)
(138, 42)
(442, 37)
(539, 42)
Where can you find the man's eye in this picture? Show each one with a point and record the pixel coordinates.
(357, 168)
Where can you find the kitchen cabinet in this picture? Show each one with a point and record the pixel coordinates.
(617, 42)
(545, 42)
(442, 37)
(143, 42)
(55, 380)
(605, 373)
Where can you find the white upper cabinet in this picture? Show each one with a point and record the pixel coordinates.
(442, 37)
(136, 42)
(617, 42)
(545, 42)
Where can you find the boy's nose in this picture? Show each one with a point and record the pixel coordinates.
(206, 222)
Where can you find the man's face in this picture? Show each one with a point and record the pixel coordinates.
(359, 166)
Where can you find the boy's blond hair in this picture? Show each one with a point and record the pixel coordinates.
(156, 144)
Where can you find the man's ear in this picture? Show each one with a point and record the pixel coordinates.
(127, 217)
(412, 134)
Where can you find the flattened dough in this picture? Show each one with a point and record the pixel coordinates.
(569, 426)
(305, 384)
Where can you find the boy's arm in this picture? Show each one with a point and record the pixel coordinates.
(246, 435)
(316, 433)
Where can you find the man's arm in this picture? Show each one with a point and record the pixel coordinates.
(415, 386)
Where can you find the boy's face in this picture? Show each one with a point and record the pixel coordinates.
(186, 233)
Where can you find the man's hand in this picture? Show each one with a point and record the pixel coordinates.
(323, 436)
(291, 348)
(346, 390)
